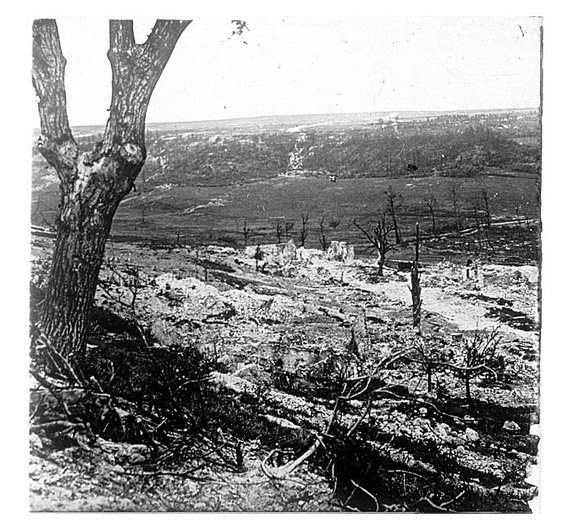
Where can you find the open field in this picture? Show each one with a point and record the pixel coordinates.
(209, 215)
(203, 181)
(198, 216)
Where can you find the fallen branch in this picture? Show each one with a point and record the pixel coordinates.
(441, 507)
(37, 407)
(283, 471)
(465, 369)
(429, 404)
(361, 418)
(367, 492)
(435, 506)
(460, 495)
(60, 425)
(405, 472)
(51, 348)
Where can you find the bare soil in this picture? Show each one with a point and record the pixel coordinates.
(288, 330)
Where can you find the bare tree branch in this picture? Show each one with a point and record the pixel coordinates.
(56, 141)
(136, 69)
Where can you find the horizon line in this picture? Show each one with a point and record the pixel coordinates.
(262, 116)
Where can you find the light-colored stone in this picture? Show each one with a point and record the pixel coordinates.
(511, 426)
(472, 435)
(340, 251)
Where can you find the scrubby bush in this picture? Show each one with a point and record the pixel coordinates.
(162, 381)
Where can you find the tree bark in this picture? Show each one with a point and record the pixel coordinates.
(381, 263)
(92, 184)
(467, 377)
(415, 284)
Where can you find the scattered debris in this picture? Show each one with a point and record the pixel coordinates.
(307, 359)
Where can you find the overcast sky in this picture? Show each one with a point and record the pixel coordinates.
(317, 65)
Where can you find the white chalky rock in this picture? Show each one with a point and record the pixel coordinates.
(511, 426)
(472, 435)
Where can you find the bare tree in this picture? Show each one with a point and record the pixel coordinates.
(478, 227)
(92, 183)
(304, 228)
(322, 236)
(487, 210)
(143, 209)
(378, 236)
(288, 228)
(279, 229)
(415, 288)
(483, 225)
(246, 232)
(431, 205)
(479, 353)
(454, 192)
(334, 223)
(392, 199)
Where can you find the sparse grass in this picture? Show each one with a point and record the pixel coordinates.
(291, 197)
(186, 205)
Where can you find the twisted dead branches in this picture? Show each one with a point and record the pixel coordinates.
(282, 472)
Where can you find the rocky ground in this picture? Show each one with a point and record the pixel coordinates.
(315, 357)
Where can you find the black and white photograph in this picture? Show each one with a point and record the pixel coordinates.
(285, 263)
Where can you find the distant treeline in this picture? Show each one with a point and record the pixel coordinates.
(451, 145)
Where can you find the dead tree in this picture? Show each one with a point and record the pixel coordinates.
(392, 199)
(378, 236)
(415, 288)
(487, 210)
(454, 192)
(478, 228)
(322, 236)
(246, 232)
(431, 204)
(479, 352)
(279, 229)
(304, 228)
(288, 228)
(482, 229)
(93, 183)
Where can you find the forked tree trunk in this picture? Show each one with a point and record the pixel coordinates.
(92, 184)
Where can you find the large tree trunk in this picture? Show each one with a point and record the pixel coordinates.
(77, 258)
(92, 184)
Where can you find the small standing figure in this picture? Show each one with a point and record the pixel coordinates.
(474, 271)
(469, 263)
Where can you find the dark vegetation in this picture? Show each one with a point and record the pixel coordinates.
(457, 145)
(471, 171)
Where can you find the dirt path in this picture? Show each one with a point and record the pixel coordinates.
(464, 303)
(459, 312)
